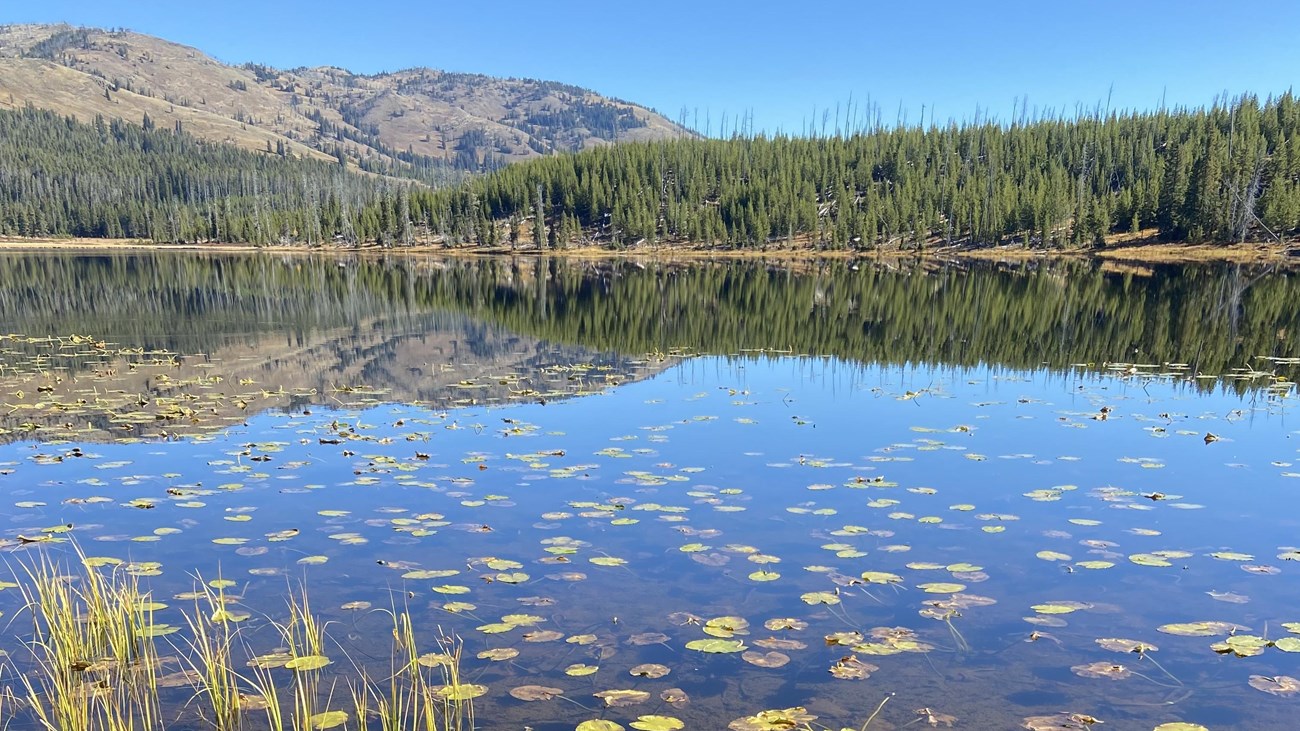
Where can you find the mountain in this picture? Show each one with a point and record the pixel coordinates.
(419, 122)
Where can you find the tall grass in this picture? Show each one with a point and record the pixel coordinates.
(89, 662)
(90, 644)
(422, 692)
(211, 644)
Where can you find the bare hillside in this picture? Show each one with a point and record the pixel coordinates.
(421, 122)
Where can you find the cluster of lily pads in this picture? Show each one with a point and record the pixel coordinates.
(576, 557)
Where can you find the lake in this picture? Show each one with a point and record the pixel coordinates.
(901, 494)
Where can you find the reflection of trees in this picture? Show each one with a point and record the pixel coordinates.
(1020, 316)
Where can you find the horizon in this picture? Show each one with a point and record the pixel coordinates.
(957, 74)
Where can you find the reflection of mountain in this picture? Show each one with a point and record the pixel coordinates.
(440, 360)
(189, 343)
(418, 326)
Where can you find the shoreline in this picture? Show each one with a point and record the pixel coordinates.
(1138, 252)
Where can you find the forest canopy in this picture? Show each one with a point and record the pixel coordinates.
(1225, 173)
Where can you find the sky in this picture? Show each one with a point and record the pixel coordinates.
(771, 66)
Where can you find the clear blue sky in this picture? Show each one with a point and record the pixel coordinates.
(783, 63)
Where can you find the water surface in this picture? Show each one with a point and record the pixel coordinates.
(981, 470)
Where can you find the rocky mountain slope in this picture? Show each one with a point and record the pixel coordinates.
(416, 122)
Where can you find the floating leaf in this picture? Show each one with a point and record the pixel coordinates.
(308, 662)
(1287, 644)
(675, 696)
(1148, 559)
(1283, 685)
(436, 659)
(462, 692)
(156, 630)
(1095, 565)
(784, 719)
(1200, 629)
(272, 660)
(716, 646)
(328, 719)
(765, 659)
(535, 692)
(1064, 721)
(1119, 645)
(851, 668)
(1102, 670)
(495, 628)
(1059, 607)
(657, 723)
(649, 670)
(781, 623)
(430, 574)
(598, 724)
(451, 589)
(580, 669)
(1241, 645)
(621, 698)
(941, 587)
(498, 653)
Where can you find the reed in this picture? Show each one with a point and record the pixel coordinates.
(423, 690)
(96, 666)
(210, 659)
(90, 662)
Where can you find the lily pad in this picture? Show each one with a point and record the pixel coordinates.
(535, 692)
(621, 698)
(716, 646)
(308, 662)
(1283, 685)
(783, 719)
(649, 670)
(462, 692)
(328, 719)
(657, 723)
(598, 724)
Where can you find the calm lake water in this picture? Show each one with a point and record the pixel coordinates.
(963, 476)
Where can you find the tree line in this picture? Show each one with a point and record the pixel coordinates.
(1228, 172)
(114, 179)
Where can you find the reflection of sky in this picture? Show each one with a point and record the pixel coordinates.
(772, 428)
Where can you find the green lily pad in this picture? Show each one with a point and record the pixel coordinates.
(941, 587)
(462, 692)
(657, 723)
(716, 646)
(598, 724)
(308, 662)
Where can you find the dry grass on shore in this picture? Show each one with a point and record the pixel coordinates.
(1135, 250)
